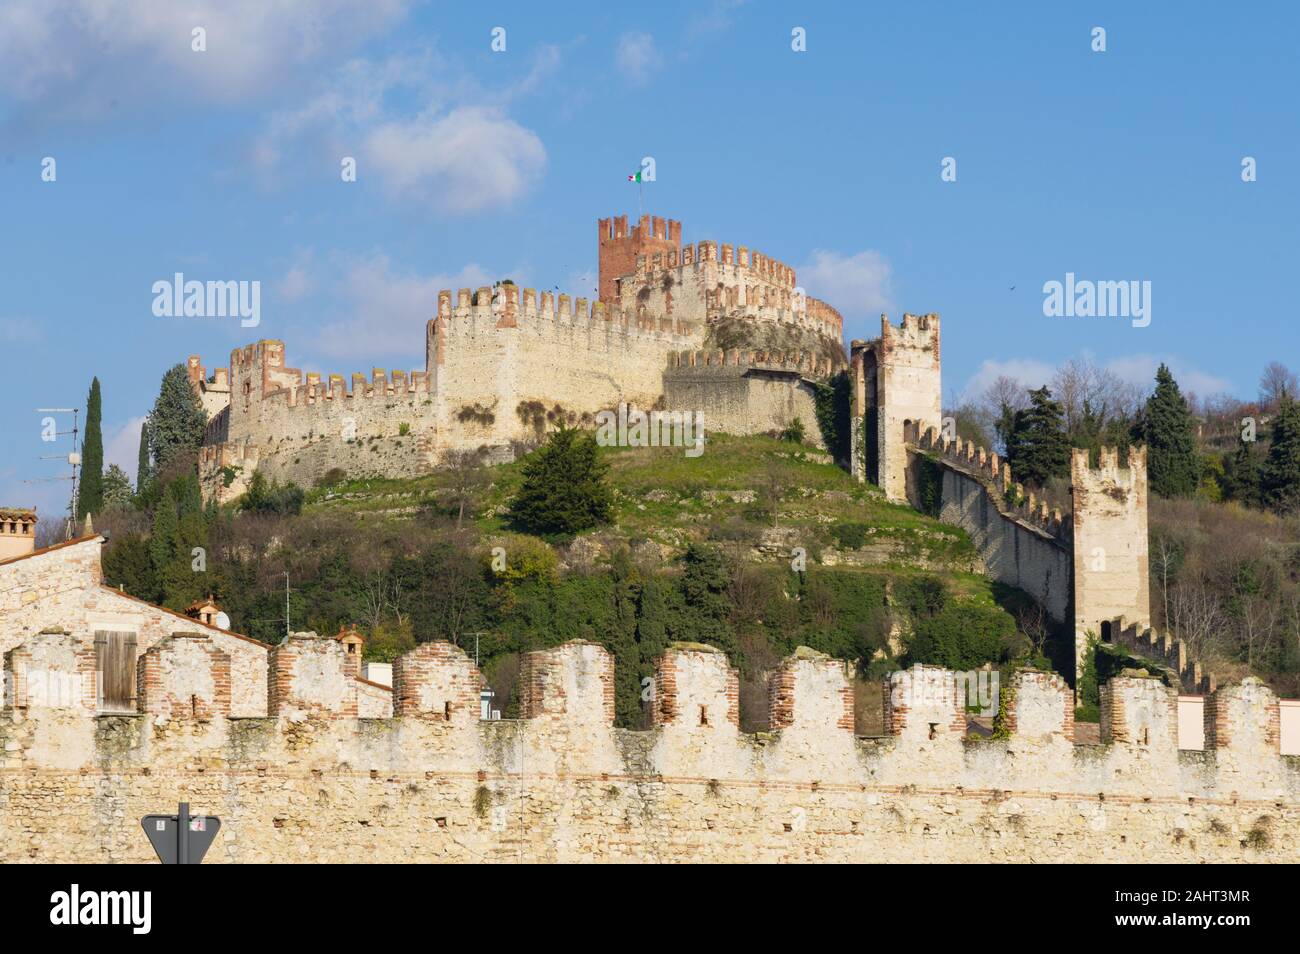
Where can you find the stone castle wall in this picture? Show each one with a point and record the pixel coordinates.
(504, 364)
(1019, 541)
(315, 782)
(746, 392)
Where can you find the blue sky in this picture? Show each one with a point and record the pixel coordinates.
(474, 165)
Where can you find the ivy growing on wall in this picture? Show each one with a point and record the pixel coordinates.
(929, 485)
(833, 415)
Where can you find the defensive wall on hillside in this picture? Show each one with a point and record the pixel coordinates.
(1087, 566)
(315, 781)
(502, 364)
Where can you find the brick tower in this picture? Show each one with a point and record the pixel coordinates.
(620, 246)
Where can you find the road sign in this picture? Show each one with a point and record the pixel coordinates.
(181, 839)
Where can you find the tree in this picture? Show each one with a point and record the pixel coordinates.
(1173, 467)
(1276, 383)
(90, 493)
(176, 422)
(1280, 475)
(466, 479)
(1241, 474)
(1038, 448)
(117, 488)
(142, 472)
(564, 489)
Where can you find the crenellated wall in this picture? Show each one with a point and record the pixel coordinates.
(315, 783)
(1019, 540)
(747, 392)
(503, 364)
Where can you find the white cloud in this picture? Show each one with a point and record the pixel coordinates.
(469, 159)
(388, 309)
(859, 285)
(59, 53)
(636, 56)
(122, 447)
(1140, 369)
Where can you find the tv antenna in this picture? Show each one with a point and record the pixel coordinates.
(74, 461)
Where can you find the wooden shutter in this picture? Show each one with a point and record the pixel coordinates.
(115, 665)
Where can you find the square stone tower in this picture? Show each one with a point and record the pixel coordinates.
(1111, 561)
(896, 381)
(619, 247)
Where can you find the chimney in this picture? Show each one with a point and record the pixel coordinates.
(17, 532)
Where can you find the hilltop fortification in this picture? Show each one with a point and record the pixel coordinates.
(503, 363)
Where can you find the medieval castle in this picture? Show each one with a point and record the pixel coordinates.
(712, 328)
(676, 328)
(113, 707)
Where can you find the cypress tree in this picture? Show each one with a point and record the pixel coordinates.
(1173, 467)
(1038, 447)
(142, 465)
(1280, 475)
(90, 494)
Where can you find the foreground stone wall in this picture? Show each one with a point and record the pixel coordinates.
(434, 784)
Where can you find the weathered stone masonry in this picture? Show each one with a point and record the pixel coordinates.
(502, 364)
(312, 782)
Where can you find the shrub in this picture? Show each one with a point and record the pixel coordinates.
(271, 497)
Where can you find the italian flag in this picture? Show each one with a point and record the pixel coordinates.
(635, 178)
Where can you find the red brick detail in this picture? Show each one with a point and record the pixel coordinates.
(281, 670)
(618, 248)
(154, 696)
(437, 681)
(541, 687)
(782, 689)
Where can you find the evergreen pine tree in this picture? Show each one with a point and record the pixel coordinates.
(177, 420)
(1038, 447)
(117, 488)
(1173, 467)
(142, 472)
(1241, 474)
(564, 489)
(1280, 474)
(90, 493)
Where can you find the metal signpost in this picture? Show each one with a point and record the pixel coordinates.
(181, 839)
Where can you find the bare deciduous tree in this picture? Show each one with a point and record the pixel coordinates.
(1277, 381)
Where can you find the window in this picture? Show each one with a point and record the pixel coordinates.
(115, 671)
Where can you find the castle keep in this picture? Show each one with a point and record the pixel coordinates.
(705, 327)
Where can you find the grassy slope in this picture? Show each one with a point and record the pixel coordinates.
(670, 499)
